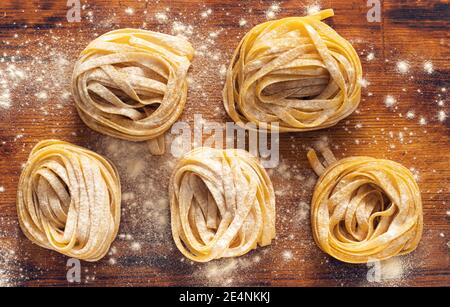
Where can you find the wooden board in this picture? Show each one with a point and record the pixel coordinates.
(38, 48)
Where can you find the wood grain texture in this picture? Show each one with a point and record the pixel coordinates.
(36, 38)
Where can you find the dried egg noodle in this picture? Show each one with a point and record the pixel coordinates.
(68, 200)
(222, 204)
(131, 84)
(364, 209)
(295, 71)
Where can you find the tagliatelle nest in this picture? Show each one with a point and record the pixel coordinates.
(68, 200)
(222, 204)
(131, 84)
(295, 71)
(365, 209)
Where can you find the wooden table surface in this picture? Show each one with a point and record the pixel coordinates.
(38, 47)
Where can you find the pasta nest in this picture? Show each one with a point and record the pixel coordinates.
(296, 72)
(365, 209)
(68, 200)
(131, 84)
(222, 204)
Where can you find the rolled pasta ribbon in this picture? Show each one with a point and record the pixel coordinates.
(222, 204)
(68, 200)
(295, 71)
(364, 209)
(131, 84)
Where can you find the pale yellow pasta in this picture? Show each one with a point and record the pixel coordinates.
(68, 200)
(296, 72)
(222, 204)
(364, 209)
(131, 84)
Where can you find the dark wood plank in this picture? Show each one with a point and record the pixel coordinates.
(38, 48)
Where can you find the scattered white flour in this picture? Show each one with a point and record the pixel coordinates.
(272, 11)
(401, 137)
(216, 272)
(322, 142)
(415, 172)
(313, 9)
(2, 189)
(287, 255)
(42, 95)
(205, 14)
(428, 67)
(364, 83)
(410, 115)
(128, 196)
(134, 168)
(136, 246)
(370, 56)
(10, 78)
(112, 261)
(5, 99)
(161, 17)
(224, 271)
(129, 11)
(422, 121)
(181, 29)
(403, 67)
(214, 34)
(390, 101)
(392, 268)
(222, 71)
(242, 22)
(7, 263)
(442, 116)
(65, 95)
(283, 170)
(302, 213)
